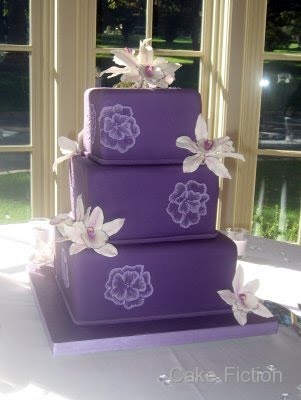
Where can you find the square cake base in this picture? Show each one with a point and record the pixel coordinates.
(66, 338)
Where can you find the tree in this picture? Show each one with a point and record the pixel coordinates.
(123, 14)
(283, 24)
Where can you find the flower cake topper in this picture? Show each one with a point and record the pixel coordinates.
(209, 152)
(142, 70)
(243, 299)
(88, 230)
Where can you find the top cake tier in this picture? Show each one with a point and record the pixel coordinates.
(138, 126)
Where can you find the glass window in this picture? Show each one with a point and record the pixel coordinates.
(277, 198)
(14, 21)
(14, 98)
(283, 26)
(177, 24)
(280, 122)
(120, 23)
(188, 75)
(14, 187)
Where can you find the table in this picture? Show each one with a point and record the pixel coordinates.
(28, 370)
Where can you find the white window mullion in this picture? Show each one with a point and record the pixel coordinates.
(74, 62)
(42, 73)
(250, 112)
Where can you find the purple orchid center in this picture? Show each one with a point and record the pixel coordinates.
(91, 232)
(148, 71)
(242, 297)
(208, 144)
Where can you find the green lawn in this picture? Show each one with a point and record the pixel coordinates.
(274, 172)
(14, 197)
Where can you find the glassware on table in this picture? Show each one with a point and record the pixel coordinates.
(240, 238)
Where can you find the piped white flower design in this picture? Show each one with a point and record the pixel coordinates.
(243, 299)
(88, 230)
(69, 148)
(209, 152)
(143, 71)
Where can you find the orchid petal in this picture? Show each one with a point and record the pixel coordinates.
(59, 219)
(146, 53)
(125, 58)
(233, 155)
(159, 60)
(262, 311)
(108, 250)
(98, 240)
(185, 142)
(250, 302)
(216, 166)
(251, 287)
(238, 280)
(114, 71)
(74, 232)
(227, 296)
(67, 145)
(192, 163)
(87, 214)
(95, 219)
(80, 210)
(112, 227)
(201, 131)
(76, 248)
(240, 316)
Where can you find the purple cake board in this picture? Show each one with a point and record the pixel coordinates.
(66, 338)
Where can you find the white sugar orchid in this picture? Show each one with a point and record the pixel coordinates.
(243, 299)
(68, 148)
(209, 152)
(142, 70)
(66, 219)
(88, 230)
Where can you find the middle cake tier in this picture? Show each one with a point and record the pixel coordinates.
(158, 202)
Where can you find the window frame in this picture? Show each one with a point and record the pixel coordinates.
(253, 61)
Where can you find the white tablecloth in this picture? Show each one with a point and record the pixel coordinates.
(29, 371)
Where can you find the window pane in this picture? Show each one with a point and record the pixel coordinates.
(14, 187)
(177, 24)
(277, 198)
(283, 26)
(14, 21)
(280, 122)
(186, 77)
(120, 23)
(14, 98)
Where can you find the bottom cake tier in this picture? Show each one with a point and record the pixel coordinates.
(146, 281)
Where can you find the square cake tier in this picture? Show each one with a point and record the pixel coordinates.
(158, 202)
(139, 126)
(146, 281)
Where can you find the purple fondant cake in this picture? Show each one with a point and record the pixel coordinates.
(165, 258)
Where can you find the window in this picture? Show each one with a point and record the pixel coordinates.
(15, 137)
(278, 180)
(24, 111)
(267, 136)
